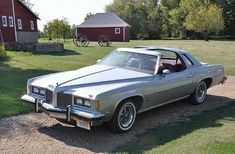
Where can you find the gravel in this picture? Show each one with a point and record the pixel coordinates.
(37, 133)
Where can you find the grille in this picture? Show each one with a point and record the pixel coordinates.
(49, 96)
(63, 100)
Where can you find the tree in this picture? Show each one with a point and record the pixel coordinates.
(88, 16)
(57, 29)
(170, 17)
(206, 19)
(228, 7)
(73, 30)
(142, 15)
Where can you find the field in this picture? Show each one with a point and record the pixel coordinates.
(21, 66)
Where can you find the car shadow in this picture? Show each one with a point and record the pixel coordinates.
(172, 121)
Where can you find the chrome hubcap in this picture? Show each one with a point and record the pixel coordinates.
(201, 92)
(126, 116)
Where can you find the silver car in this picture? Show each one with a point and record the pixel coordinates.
(126, 82)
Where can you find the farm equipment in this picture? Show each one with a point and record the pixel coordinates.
(80, 40)
(104, 41)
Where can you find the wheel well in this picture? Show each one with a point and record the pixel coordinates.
(137, 100)
(208, 82)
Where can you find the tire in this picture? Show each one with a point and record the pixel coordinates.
(199, 95)
(123, 118)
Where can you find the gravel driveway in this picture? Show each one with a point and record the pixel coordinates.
(36, 133)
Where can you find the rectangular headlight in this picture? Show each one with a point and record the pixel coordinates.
(42, 92)
(78, 101)
(82, 102)
(39, 91)
(87, 103)
(35, 90)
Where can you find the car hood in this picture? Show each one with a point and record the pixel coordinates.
(91, 76)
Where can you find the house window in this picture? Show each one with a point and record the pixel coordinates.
(19, 21)
(11, 21)
(117, 30)
(32, 25)
(4, 21)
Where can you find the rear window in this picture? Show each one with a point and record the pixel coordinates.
(188, 61)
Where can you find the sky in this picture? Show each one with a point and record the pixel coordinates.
(74, 10)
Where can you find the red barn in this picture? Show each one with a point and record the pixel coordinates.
(105, 24)
(18, 23)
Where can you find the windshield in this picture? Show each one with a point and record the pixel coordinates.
(130, 60)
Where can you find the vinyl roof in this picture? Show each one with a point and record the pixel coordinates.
(140, 51)
(104, 20)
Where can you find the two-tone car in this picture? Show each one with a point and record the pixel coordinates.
(126, 82)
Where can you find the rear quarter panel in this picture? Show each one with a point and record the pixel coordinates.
(215, 72)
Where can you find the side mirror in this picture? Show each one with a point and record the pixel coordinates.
(98, 61)
(165, 72)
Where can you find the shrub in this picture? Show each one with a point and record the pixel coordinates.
(3, 53)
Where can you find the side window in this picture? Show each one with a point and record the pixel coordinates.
(19, 21)
(32, 25)
(117, 30)
(171, 61)
(11, 22)
(188, 61)
(4, 21)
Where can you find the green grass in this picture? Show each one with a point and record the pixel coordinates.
(212, 132)
(24, 65)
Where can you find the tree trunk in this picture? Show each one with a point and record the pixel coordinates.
(206, 36)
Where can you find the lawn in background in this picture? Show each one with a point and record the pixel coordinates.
(24, 65)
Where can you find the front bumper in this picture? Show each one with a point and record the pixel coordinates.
(70, 114)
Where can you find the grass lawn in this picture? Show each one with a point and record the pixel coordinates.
(211, 132)
(24, 65)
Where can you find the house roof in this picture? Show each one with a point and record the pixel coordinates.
(104, 20)
(28, 9)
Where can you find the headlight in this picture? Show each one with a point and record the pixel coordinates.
(79, 101)
(87, 103)
(42, 92)
(82, 102)
(35, 90)
(39, 91)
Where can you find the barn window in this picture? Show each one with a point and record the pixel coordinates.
(4, 21)
(32, 25)
(19, 23)
(11, 21)
(117, 30)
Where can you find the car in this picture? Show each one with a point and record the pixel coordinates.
(126, 82)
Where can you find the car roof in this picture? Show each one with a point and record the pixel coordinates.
(140, 51)
(153, 48)
(150, 50)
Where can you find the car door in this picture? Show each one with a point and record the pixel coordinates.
(169, 87)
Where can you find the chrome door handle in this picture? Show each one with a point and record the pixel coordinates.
(189, 76)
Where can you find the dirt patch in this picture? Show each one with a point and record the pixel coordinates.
(36, 133)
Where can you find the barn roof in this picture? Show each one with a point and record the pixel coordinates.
(27, 8)
(104, 20)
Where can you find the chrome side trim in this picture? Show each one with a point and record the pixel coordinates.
(158, 105)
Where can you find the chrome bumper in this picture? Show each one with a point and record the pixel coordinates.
(70, 114)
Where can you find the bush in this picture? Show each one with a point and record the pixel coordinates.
(3, 53)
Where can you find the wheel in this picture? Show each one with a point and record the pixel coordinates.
(123, 118)
(199, 95)
(80, 40)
